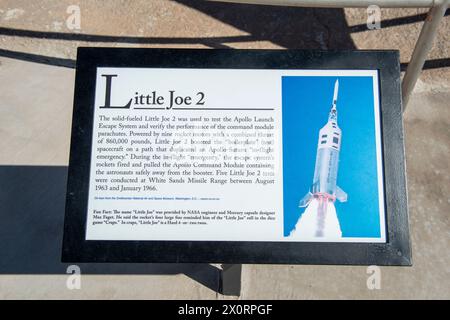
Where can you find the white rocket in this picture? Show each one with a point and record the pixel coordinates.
(324, 187)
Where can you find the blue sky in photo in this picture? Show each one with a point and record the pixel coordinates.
(306, 102)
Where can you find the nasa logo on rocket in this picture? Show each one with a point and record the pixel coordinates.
(320, 219)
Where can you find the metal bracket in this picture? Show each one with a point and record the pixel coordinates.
(230, 280)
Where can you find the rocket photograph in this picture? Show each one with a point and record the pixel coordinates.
(319, 218)
(331, 148)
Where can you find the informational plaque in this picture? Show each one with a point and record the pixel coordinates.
(237, 156)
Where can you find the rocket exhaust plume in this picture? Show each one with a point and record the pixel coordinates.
(320, 219)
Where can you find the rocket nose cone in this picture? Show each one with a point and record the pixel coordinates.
(335, 94)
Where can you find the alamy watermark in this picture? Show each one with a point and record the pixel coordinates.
(373, 17)
(73, 281)
(73, 21)
(374, 280)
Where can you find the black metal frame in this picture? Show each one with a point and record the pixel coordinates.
(396, 251)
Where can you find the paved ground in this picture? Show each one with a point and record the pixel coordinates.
(35, 115)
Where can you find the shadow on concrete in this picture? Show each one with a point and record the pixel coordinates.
(32, 201)
(48, 35)
(288, 27)
(36, 58)
(430, 64)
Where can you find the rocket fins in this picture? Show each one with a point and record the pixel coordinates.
(305, 200)
(341, 195)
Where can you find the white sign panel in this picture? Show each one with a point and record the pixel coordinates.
(236, 155)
